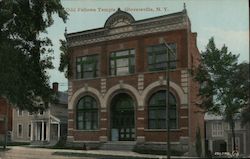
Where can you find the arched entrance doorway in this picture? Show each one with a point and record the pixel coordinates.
(122, 118)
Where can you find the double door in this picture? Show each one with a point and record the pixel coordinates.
(122, 118)
(123, 124)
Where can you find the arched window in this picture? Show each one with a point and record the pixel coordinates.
(87, 113)
(157, 111)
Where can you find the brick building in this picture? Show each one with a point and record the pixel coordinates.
(4, 110)
(117, 91)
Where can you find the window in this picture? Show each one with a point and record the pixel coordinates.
(20, 130)
(122, 62)
(87, 113)
(19, 112)
(41, 112)
(157, 111)
(157, 57)
(29, 129)
(217, 129)
(87, 66)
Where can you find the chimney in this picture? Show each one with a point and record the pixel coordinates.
(55, 86)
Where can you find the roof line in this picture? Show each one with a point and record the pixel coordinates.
(137, 21)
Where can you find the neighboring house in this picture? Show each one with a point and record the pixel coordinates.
(219, 135)
(5, 109)
(117, 91)
(44, 127)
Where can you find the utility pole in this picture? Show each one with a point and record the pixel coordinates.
(167, 98)
(167, 104)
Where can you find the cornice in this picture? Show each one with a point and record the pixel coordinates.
(138, 28)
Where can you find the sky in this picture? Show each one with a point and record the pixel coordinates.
(225, 20)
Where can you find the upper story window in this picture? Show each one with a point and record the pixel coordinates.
(41, 112)
(19, 112)
(87, 66)
(157, 57)
(122, 62)
(217, 129)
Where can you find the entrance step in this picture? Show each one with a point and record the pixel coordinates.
(118, 145)
(43, 143)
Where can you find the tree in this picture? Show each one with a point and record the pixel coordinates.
(198, 144)
(245, 115)
(242, 87)
(26, 52)
(64, 59)
(217, 75)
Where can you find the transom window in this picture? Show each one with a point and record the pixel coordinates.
(87, 66)
(87, 113)
(122, 62)
(157, 111)
(157, 57)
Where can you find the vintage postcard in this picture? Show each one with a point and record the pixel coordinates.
(131, 91)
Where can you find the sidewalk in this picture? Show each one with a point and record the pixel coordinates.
(99, 153)
(116, 153)
(111, 153)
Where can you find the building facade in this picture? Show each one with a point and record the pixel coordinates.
(5, 112)
(219, 136)
(45, 127)
(117, 87)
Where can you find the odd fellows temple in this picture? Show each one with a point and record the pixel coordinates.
(117, 90)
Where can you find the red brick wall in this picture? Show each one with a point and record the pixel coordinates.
(197, 119)
(161, 136)
(95, 83)
(86, 135)
(4, 108)
(139, 43)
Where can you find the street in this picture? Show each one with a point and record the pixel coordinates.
(33, 153)
(21, 152)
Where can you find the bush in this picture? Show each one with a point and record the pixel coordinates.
(146, 150)
(15, 143)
